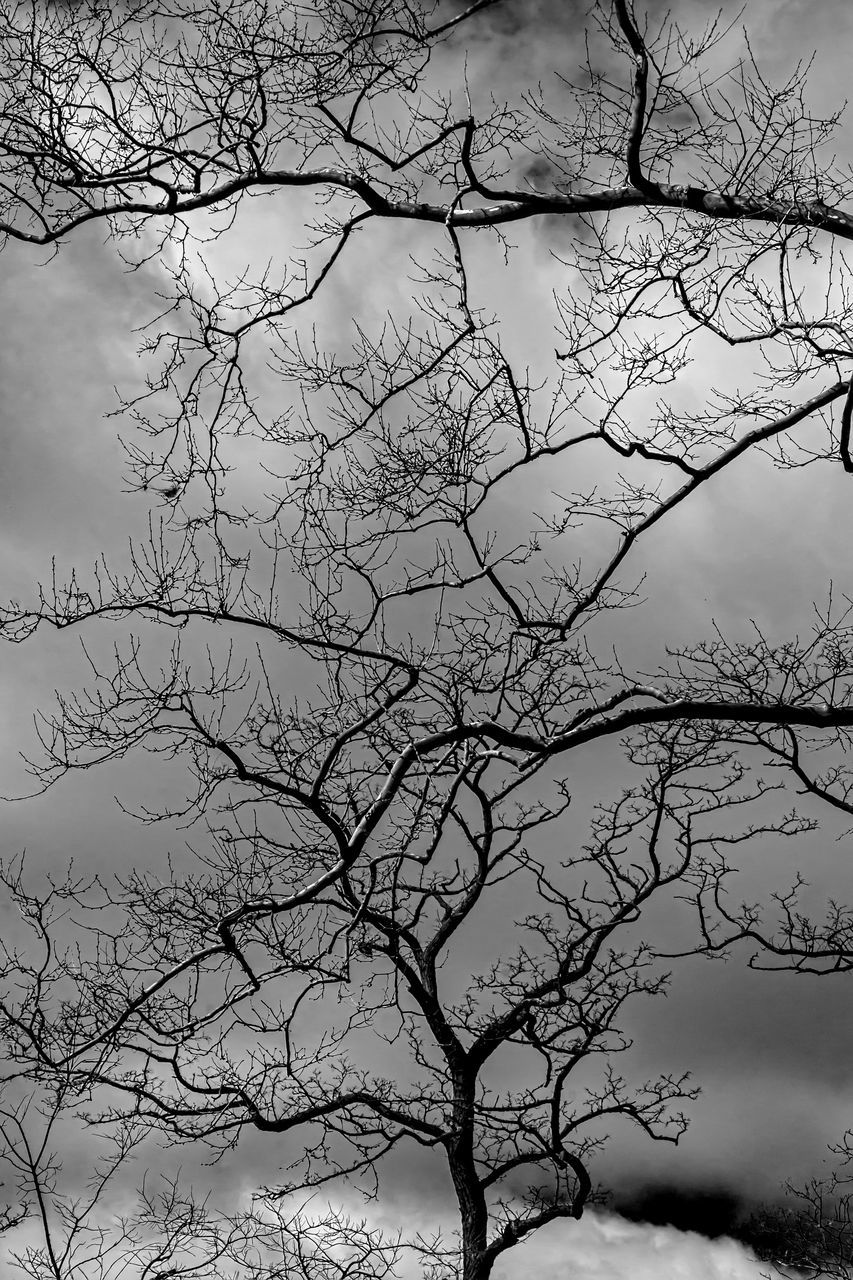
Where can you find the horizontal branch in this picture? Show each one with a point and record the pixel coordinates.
(511, 206)
(356, 1098)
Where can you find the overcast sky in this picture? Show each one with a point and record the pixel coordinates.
(773, 1053)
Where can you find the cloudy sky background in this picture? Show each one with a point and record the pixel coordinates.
(773, 1053)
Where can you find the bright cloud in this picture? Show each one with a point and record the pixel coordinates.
(606, 1247)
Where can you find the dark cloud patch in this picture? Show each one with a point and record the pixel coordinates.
(542, 174)
(511, 18)
(709, 1210)
(536, 22)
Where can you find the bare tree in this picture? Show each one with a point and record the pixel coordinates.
(164, 1230)
(394, 933)
(810, 1231)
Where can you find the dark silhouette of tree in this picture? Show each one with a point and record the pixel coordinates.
(809, 1232)
(389, 642)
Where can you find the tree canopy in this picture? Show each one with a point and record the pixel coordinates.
(385, 626)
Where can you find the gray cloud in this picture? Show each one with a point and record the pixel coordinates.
(772, 1053)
